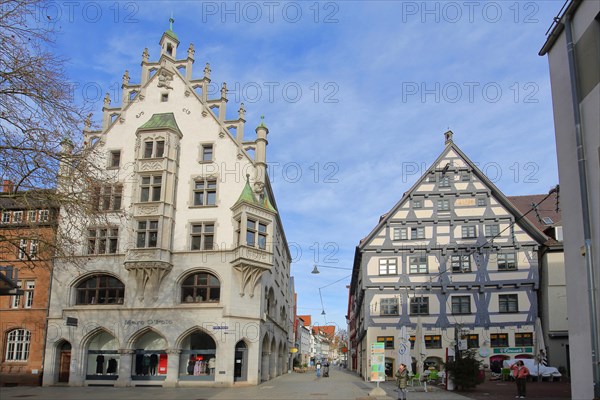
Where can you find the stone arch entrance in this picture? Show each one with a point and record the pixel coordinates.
(198, 357)
(264, 364)
(63, 361)
(102, 358)
(150, 356)
(273, 360)
(240, 367)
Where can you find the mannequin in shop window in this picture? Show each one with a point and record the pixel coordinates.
(139, 364)
(112, 366)
(198, 367)
(153, 363)
(211, 365)
(99, 364)
(190, 367)
(146, 368)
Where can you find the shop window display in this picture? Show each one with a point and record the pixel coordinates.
(200, 287)
(103, 358)
(198, 357)
(150, 358)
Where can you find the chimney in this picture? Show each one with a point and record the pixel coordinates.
(7, 186)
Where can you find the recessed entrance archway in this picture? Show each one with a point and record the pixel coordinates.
(240, 367)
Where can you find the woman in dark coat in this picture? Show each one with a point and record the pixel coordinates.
(402, 381)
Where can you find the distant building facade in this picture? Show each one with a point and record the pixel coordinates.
(188, 282)
(573, 50)
(454, 253)
(27, 228)
(543, 211)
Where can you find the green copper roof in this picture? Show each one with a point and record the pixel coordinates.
(161, 121)
(266, 202)
(172, 34)
(262, 122)
(247, 195)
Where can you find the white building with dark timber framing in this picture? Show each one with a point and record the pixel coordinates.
(455, 253)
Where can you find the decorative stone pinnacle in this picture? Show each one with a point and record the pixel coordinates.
(224, 90)
(191, 51)
(145, 55)
(107, 100)
(126, 77)
(207, 71)
(241, 111)
(247, 178)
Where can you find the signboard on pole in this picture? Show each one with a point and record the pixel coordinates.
(377, 362)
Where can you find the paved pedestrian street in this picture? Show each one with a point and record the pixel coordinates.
(341, 385)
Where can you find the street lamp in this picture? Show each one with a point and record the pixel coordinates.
(329, 284)
(316, 270)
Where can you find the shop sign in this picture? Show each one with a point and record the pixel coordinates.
(513, 350)
(220, 327)
(149, 322)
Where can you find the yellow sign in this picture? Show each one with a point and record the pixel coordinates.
(293, 350)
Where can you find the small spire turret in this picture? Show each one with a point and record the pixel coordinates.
(125, 81)
(448, 136)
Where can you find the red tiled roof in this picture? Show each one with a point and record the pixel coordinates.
(306, 319)
(547, 208)
(327, 330)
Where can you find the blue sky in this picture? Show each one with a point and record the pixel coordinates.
(356, 95)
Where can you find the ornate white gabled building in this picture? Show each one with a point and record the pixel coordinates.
(455, 254)
(188, 282)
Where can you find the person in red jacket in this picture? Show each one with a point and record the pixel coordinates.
(520, 372)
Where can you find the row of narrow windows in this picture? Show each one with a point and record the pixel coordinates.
(473, 340)
(460, 305)
(458, 263)
(105, 289)
(105, 240)
(27, 216)
(157, 149)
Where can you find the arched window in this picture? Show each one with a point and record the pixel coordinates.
(100, 289)
(17, 345)
(200, 287)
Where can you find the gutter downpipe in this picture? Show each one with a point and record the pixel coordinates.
(584, 207)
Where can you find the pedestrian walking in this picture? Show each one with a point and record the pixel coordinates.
(318, 367)
(402, 381)
(520, 372)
